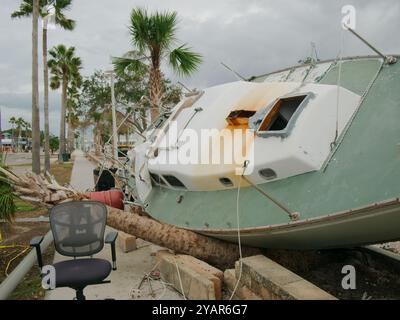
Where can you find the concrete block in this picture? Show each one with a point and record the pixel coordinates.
(272, 281)
(195, 277)
(242, 292)
(126, 242)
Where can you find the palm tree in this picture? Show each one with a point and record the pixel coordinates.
(27, 127)
(25, 10)
(64, 68)
(35, 91)
(20, 123)
(12, 122)
(72, 104)
(154, 37)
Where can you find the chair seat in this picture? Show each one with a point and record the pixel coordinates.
(81, 272)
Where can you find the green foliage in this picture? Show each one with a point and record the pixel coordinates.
(54, 143)
(154, 39)
(25, 10)
(64, 66)
(7, 205)
(154, 36)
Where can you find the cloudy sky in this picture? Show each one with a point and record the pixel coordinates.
(251, 36)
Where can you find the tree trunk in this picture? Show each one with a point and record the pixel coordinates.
(62, 119)
(46, 191)
(98, 142)
(71, 135)
(35, 91)
(216, 252)
(19, 139)
(156, 91)
(46, 103)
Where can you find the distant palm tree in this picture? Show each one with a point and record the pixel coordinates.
(25, 10)
(64, 68)
(154, 38)
(72, 103)
(27, 127)
(20, 123)
(12, 122)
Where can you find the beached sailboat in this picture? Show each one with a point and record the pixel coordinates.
(321, 164)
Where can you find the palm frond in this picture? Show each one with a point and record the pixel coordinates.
(163, 29)
(139, 28)
(184, 61)
(25, 10)
(123, 65)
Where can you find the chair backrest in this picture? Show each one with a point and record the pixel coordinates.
(78, 227)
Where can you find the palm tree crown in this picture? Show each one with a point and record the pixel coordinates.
(63, 64)
(25, 10)
(154, 38)
(64, 68)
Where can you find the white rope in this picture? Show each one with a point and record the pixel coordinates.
(238, 234)
(339, 80)
(180, 279)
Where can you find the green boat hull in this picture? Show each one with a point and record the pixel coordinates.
(351, 201)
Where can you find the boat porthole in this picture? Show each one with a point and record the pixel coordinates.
(268, 174)
(226, 182)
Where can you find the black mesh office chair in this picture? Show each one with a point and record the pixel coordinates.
(78, 231)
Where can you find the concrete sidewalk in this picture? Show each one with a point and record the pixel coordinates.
(131, 266)
(82, 172)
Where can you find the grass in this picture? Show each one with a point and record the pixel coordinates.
(23, 206)
(62, 172)
(30, 288)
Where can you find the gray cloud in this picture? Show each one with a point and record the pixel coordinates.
(253, 37)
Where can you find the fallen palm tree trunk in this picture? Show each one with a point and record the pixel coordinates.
(45, 191)
(214, 251)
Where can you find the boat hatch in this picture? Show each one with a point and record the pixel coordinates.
(239, 117)
(281, 113)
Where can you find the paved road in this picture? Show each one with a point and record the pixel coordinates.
(21, 162)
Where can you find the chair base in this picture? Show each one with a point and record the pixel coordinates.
(79, 294)
(79, 291)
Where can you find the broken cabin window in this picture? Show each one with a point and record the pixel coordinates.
(239, 117)
(281, 113)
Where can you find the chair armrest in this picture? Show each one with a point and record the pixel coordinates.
(35, 243)
(110, 239)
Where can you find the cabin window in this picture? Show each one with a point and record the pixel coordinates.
(239, 117)
(174, 181)
(157, 179)
(226, 182)
(268, 174)
(281, 113)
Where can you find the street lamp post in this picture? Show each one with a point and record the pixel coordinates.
(114, 117)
